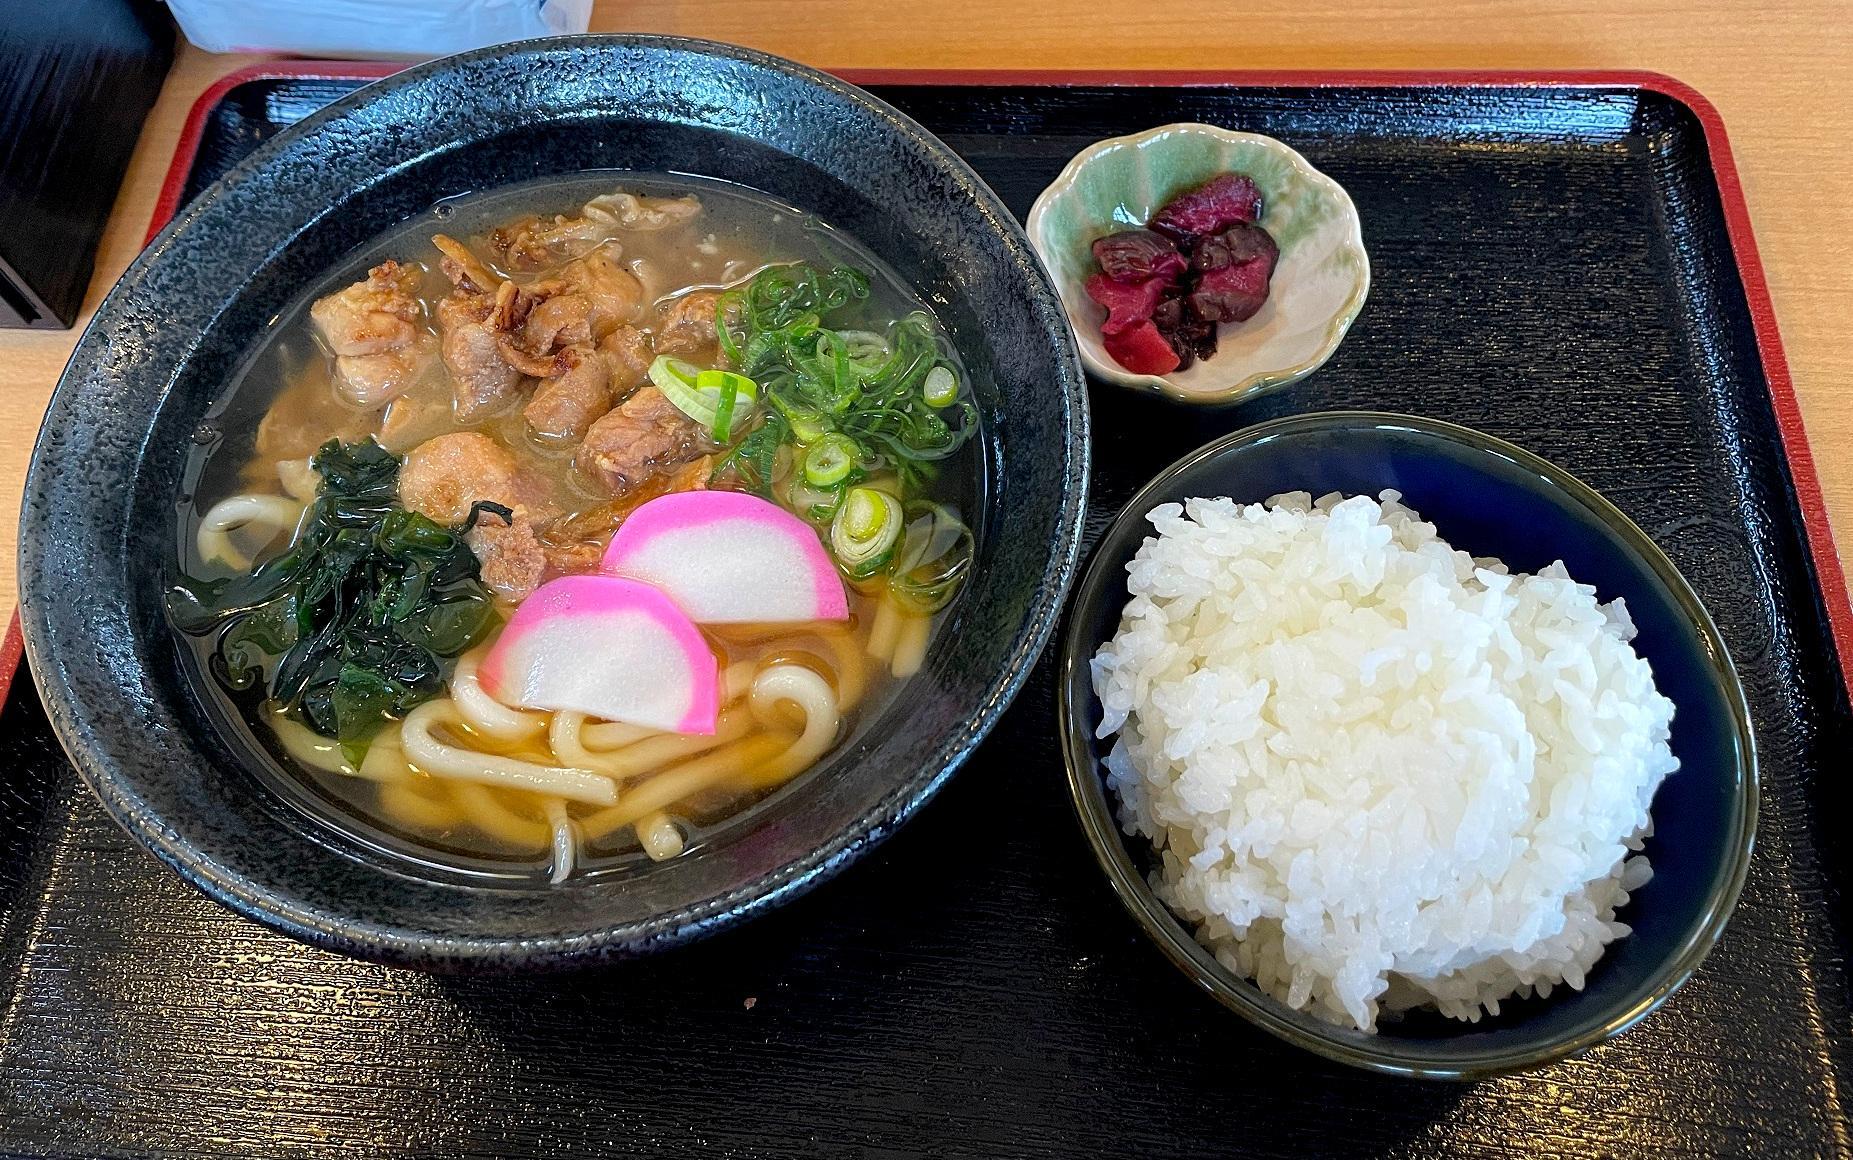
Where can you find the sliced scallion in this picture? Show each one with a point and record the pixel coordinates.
(716, 399)
(722, 426)
(676, 379)
(734, 396)
(934, 556)
(865, 531)
(831, 459)
(941, 388)
(806, 426)
(816, 504)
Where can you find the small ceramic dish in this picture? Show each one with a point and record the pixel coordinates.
(1488, 498)
(1317, 289)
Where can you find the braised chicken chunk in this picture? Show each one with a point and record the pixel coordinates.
(556, 318)
(630, 211)
(481, 379)
(373, 316)
(465, 270)
(534, 243)
(542, 346)
(628, 351)
(444, 478)
(373, 328)
(643, 435)
(689, 324)
(564, 407)
(613, 295)
(374, 380)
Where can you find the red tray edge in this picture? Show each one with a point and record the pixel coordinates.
(1830, 576)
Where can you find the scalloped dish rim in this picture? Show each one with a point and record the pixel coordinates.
(1256, 382)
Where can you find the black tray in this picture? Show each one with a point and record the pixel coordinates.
(1554, 263)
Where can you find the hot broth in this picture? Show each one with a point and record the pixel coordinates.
(468, 409)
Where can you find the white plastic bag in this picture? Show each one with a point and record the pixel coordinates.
(363, 28)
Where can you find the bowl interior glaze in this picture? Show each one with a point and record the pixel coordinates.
(100, 501)
(1488, 498)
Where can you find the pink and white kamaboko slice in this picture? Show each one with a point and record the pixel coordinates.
(607, 647)
(725, 557)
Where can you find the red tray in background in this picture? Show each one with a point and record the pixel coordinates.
(973, 987)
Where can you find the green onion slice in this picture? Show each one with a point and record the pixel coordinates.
(819, 505)
(716, 399)
(941, 388)
(807, 426)
(831, 459)
(734, 396)
(895, 389)
(865, 531)
(933, 559)
(676, 379)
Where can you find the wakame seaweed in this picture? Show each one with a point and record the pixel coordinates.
(354, 624)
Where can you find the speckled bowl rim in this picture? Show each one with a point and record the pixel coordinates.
(1259, 382)
(1103, 581)
(567, 949)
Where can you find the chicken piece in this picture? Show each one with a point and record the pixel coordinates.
(380, 351)
(630, 212)
(513, 560)
(535, 243)
(563, 407)
(481, 379)
(305, 415)
(627, 351)
(444, 478)
(540, 366)
(567, 559)
(456, 311)
(643, 435)
(591, 299)
(368, 381)
(461, 265)
(595, 524)
(688, 325)
(613, 294)
(557, 317)
(692, 476)
(373, 316)
(523, 324)
(422, 413)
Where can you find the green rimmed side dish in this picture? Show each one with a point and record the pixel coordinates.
(1317, 290)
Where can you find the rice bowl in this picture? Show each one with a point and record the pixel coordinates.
(1377, 773)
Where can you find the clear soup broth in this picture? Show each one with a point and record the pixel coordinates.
(466, 411)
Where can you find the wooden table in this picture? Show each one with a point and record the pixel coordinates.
(1779, 73)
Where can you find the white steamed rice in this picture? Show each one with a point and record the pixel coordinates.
(1378, 773)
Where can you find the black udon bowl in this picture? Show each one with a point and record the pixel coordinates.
(98, 524)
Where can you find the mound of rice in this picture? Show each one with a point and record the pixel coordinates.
(1378, 773)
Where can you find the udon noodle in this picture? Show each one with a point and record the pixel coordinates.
(555, 781)
(433, 768)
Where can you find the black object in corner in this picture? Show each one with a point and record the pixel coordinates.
(77, 78)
